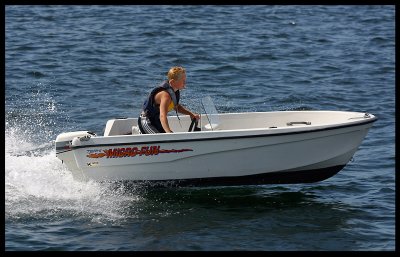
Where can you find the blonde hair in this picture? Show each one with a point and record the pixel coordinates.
(176, 73)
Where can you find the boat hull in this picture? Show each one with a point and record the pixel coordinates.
(282, 177)
(221, 158)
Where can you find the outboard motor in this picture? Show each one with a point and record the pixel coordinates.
(63, 146)
(64, 140)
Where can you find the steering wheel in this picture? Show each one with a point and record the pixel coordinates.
(195, 122)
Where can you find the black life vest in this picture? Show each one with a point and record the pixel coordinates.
(152, 110)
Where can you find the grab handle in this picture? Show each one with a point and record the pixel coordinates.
(298, 122)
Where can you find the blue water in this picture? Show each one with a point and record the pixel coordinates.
(71, 68)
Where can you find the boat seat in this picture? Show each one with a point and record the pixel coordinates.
(121, 126)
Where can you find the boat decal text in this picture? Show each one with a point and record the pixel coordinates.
(132, 152)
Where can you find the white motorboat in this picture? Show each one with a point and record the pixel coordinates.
(245, 148)
(231, 149)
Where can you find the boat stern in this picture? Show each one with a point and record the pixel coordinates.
(64, 151)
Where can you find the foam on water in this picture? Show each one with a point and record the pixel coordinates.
(38, 185)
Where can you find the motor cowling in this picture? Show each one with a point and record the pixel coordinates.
(64, 140)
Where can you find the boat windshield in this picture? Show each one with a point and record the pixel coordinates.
(211, 112)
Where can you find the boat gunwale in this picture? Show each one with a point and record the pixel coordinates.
(309, 130)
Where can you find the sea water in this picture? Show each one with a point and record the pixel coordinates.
(71, 68)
